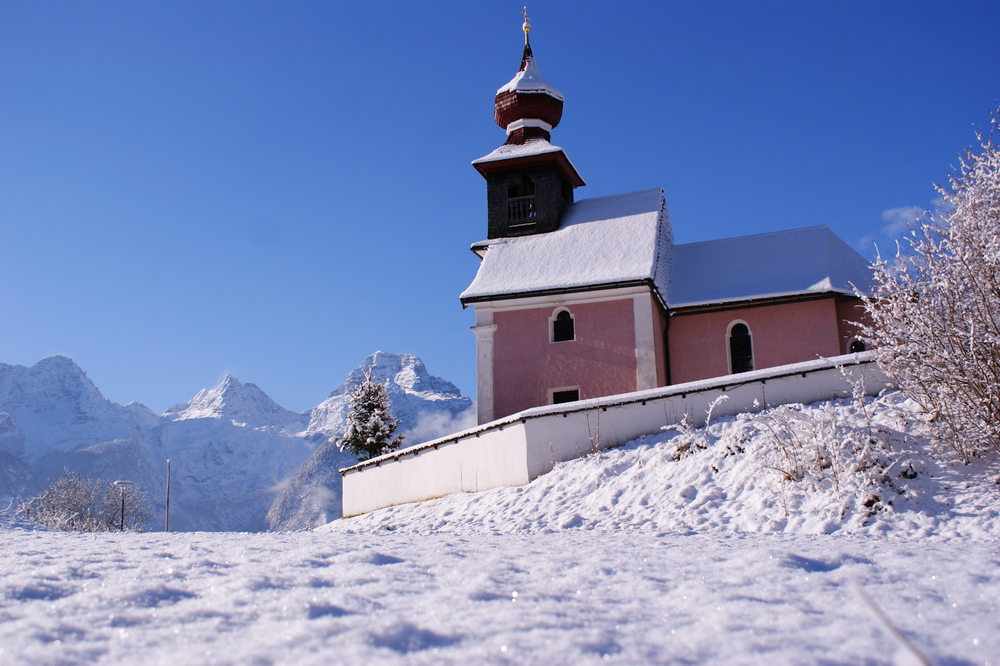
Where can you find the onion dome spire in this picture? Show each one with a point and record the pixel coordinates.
(528, 107)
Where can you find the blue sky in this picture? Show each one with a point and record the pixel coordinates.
(277, 189)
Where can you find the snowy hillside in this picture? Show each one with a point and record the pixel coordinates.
(830, 467)
(231, 447)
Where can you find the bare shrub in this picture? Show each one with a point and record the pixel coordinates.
(75, 502)
(935, 307)
(818, 448)
(689, 438)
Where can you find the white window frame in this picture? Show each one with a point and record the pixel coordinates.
(553, 391)
(729, 346)
(552, 324)
(851, 341)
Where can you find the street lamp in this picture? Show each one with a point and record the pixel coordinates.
(123, 485)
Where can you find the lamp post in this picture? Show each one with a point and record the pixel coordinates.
(123, 485)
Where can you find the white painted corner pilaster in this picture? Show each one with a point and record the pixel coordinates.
(484, 330)
(645, 345)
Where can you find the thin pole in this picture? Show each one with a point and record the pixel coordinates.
(166, 520)
(123, 509)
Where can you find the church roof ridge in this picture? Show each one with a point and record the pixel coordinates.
(803, 261)
(763, 233)
(658, 190)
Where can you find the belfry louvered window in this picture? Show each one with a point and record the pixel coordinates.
(521, 200)
(740, 349)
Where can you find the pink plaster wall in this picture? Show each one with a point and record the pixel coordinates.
(781, 333)
(601, 360)
(850, 310)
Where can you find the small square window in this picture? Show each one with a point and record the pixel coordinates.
(565, 395)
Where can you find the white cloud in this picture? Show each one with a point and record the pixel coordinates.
(940, 207)
(431, 425)
(899, 220)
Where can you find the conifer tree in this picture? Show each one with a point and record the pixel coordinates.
(370, 426)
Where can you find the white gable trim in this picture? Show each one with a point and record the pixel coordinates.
(556, 300)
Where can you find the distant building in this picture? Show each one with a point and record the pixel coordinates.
(577, 300)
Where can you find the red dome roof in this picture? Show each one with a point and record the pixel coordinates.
(528, 106)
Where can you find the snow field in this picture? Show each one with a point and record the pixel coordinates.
(564, 597)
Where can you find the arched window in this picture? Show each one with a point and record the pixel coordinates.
(856, 345)
(521, 200)
(740, 348)
(563, 327)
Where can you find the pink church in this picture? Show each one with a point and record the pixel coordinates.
(582, 299)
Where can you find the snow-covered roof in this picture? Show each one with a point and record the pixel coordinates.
(527, 149)
(601, 242)
(530, 80)
(531, 151)
(798, 261)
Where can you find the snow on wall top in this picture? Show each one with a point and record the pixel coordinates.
(529, 80)
(601, 241)
(798, 261)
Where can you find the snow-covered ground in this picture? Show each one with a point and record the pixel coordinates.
(683, 547)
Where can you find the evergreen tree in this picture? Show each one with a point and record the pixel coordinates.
(370, 426)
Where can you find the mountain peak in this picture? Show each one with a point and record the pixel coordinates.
(400, 372)
(62, 368)
(232, 400)
(52, 381)
(59, 361)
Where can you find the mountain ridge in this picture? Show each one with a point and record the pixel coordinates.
(233, 449)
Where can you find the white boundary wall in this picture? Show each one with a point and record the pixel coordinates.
(517, 449)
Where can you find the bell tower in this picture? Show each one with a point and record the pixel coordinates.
(529, 182)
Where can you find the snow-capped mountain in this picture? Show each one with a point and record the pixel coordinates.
(232, 448)
(51, 412)
(237, 403)
(415, 394)
(426, 406)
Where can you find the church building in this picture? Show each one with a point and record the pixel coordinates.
(583, 299)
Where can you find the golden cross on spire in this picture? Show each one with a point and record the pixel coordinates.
(527, 25)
